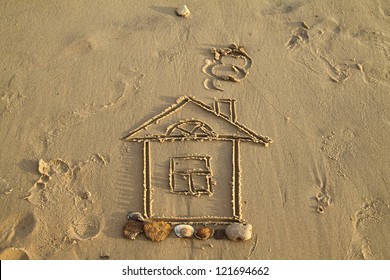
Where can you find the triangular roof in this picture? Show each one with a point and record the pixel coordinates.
(227, 128)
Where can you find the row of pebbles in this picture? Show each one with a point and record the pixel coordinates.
(158, 231)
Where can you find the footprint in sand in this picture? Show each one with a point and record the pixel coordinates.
(314, 47)
(378, 44)
(56, 170)
(371, 225)
(64, 206)
(81, 46)
(16, 228)
(87, 227)
(9, 99)
(25, 226)
(378, 74)
(11, 95)
(126, 79)
(384, 8)
(338, 147)
(14, 254)
(321, 48)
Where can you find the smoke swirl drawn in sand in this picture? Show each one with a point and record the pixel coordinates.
(228, 64)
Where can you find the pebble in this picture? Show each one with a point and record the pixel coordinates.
(86, 195)
(157, 231)
(183, 11)
(219, 234)
(239, 232)
(132, 229)
(137, 216)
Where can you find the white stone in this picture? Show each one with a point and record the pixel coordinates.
(239, 232)
(183, 11)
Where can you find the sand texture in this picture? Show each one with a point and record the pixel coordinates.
(283, 107)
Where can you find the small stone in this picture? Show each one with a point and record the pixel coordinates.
(320, 209)
(239, 232)
(183, 11)
(132, 229)
(85, 195)
(204, 233)
(157, 231)
(219, 234)
(137, 216)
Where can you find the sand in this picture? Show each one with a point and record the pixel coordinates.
(78, 76)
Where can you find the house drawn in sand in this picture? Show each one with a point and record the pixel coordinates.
(191, 161)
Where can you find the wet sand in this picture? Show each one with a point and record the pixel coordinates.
(78, 77)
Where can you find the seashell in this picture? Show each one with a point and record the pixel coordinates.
(132, 229)
(183, 11)
(204, 233)
(239, 232)
(184, 231)
(137, 216)
(157, 231)
(219, 234)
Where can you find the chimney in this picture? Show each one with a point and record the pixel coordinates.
(226, 108)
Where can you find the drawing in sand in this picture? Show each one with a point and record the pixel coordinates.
(198, 167)
(228, 64)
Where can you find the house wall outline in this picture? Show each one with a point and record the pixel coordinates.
(244, 134)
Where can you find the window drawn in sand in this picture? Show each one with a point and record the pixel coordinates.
(228, 65)
(191, 162)
(190, 128)
(191, 175)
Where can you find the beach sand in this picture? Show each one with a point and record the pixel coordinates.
(78, 76)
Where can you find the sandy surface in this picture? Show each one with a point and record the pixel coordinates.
(77, 76)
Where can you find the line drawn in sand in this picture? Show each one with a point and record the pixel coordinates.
(229, 64)
(191, 175)
(180, 183)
